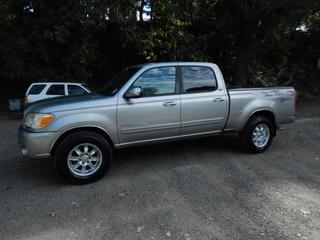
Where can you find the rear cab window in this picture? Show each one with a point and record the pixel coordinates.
(36, 89)
(197, 79)
(56, 90)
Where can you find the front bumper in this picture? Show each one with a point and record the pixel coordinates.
(35, 144)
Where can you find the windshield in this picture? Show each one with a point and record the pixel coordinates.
(113, 86)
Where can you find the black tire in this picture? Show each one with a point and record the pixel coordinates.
(75, 139)
(246, 134)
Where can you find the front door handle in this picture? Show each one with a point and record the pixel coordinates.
(218, 99)
(169, 104)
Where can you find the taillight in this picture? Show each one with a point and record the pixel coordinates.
(26, 99)
(296, 99)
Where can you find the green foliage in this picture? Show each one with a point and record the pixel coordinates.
(166, 42)
(255, 42)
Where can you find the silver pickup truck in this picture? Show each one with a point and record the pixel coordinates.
(150, 103)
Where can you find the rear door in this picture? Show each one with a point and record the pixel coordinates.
(156, 114)
(203, 103)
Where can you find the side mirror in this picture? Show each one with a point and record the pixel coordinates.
(133, 92)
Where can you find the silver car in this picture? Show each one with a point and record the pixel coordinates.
(150, 103)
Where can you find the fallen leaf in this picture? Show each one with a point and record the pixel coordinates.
(139, 229)
(305, 211)
(123, 194)
(75, 204)
(53, 214)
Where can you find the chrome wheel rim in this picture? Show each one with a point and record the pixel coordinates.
(261, 135)
(84, 159)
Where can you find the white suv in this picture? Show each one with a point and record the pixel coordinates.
(39, 91)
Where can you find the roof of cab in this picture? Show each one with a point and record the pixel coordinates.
(77, 83)
(178, 63)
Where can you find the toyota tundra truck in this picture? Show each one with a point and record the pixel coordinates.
(150, 103)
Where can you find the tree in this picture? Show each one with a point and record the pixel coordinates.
(250, 21)
(253, 41)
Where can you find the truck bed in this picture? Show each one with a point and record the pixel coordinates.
(245, 101)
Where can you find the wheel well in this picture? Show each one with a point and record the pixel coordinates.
(71, 131)
(267, 114)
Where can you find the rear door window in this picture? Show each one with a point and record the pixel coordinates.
(74, 89)
(198, 79)
(36, 89)
(56, 89)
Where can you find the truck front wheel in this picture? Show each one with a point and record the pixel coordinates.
(83, 157)
(258, 134)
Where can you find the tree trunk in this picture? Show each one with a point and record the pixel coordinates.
(152, 4)
(141, 10)
(245, 49)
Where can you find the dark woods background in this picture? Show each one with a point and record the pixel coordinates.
(255, 42)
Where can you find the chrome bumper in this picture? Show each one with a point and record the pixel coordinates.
(35, 144)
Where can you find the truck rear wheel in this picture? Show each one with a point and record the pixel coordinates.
(257, 135)
(83, 157)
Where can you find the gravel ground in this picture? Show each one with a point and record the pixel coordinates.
(199, 189)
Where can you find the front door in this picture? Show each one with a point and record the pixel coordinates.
(155, 115)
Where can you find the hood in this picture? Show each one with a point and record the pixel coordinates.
(58, 104)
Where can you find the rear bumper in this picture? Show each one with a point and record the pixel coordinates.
(34, 144)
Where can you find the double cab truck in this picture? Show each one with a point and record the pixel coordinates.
(150, 103)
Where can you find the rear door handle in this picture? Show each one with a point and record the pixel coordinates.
(169, 104)
(218, 100)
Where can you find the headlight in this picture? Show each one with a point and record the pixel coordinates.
(38, 120)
